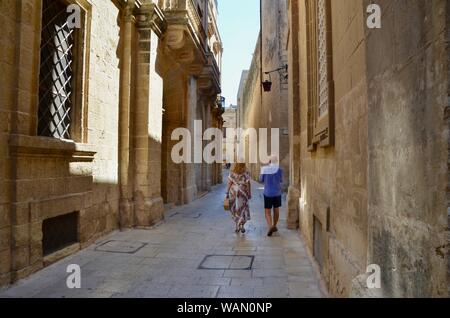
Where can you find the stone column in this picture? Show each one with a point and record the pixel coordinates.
(174, 94)
(147, 121)
(217, 122)
(126, 208)
(207, 168)
(189, 187)
(200, 167)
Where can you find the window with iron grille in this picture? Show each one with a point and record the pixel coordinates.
(56, 71)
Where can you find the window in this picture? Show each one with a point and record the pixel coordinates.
(320, 74)
(61, 72)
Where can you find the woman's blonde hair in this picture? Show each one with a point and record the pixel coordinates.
(239, 168)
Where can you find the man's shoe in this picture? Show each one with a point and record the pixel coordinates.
(270, 233)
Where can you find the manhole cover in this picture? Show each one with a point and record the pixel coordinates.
(120, 247)
(227, 262)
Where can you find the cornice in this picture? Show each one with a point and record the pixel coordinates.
(149, 15)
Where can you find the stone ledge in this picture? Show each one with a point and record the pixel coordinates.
(22, 145)
(53, 207)
(59, 255)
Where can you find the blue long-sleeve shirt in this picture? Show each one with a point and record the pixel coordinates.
(272, 183)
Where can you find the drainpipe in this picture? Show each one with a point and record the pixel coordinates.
(124, 114)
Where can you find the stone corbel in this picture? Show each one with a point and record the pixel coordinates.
(149, 15)
(195, 69)
(186, 56)
(205, 83)
(175, 37)
(217, 46)
(128, 13)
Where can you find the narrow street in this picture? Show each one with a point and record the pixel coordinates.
(193, 254)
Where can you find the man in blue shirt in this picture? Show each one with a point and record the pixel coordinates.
(272, 177)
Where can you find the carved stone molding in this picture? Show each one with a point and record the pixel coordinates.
(186, 56)
(149, 15)
(175, 37)
(34, 146)
(205, 83)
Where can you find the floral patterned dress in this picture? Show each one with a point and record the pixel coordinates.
(239, 196)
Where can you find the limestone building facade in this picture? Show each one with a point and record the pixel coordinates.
(229, 117)
(86, 118)
(240, 109)
(257, 108)
(369, 143)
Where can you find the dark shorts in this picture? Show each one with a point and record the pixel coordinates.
(272, 203)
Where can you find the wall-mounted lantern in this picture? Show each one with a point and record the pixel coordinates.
(267, 84)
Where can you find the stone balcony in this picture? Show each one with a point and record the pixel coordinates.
(186, 37)
(209, 79)
(184, 14)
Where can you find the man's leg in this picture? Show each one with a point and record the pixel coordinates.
(276, 218)
(269, 218)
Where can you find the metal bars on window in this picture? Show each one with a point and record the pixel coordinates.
(56, 71)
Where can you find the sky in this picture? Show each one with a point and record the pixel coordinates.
(239, 29)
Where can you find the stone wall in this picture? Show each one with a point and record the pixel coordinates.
(294, 116)
(379, 194)
(251, 103)
(8, 80)
(407, 72)
(102, 121)
(52, 177)
(230, 121)
(269, 109)
(240, 108)
(109, 175)
(334, 180)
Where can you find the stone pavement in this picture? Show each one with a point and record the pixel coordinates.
(193, 254)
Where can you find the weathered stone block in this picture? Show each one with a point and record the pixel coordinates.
(22, 213)
(5, 191)
(5, 219)
(27, 271)
(5, 238)
(36, 234)
(20, 257)
(5, 261)
(36, 253)
(5, 279)
(21, 235)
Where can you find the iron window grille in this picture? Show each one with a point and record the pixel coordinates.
(56, 71)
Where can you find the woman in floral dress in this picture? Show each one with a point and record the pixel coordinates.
(239, 192)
